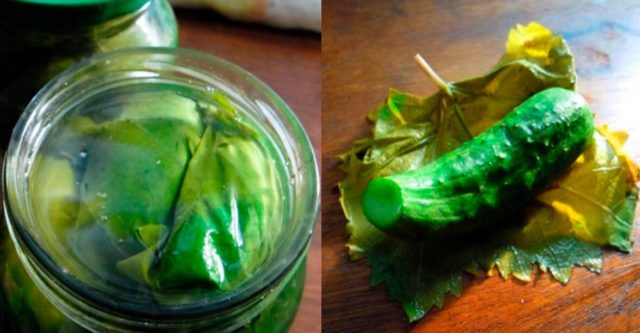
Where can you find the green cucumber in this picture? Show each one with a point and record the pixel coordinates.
(495, 173)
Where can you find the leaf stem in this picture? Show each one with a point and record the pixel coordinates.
(433, 76)
(442, 85)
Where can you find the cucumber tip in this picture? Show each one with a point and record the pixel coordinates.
(382, 203)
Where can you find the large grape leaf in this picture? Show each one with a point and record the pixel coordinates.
(592, 205)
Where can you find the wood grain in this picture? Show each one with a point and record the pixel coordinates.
(368, 47)
(289, 62)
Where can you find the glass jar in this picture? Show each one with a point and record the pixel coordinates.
(40, 38)
(265, 301)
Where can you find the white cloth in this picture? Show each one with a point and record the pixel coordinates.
(303, 14)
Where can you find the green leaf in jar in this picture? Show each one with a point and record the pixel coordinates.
(226, 214)
(166, 192)
(129, 168)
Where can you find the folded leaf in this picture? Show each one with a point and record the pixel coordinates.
(226, 214)
(225, 220)
(133, 160)
(115, 172)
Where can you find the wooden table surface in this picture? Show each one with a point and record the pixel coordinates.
(368, 47)
(289, 62)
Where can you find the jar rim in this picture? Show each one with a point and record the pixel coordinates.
(250, 288)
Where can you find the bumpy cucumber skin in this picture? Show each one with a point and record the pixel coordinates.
(498, 171)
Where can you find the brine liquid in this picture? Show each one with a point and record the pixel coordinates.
(157, 187)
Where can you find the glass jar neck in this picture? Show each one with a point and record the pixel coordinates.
(60, 16)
